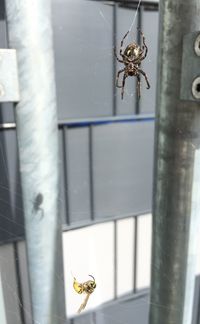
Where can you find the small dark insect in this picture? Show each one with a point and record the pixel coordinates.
(37, 205)
(131, 58)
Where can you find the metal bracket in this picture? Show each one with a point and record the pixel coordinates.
(9, 86)
(190, 74)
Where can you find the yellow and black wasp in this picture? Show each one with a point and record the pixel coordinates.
(86, 287)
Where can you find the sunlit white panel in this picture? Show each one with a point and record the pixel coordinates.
(143, 264)
(2, 305)
(125, 248)
(198, 265)
(89, 250)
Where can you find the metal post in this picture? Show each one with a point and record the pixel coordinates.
(176, 201)
(30, 33)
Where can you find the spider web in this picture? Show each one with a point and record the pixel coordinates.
(6, 284)
(103, 316)
(134, 18)
(130, 93)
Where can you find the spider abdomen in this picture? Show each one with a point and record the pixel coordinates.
(132, 51)
(131, 69)
(132, 73)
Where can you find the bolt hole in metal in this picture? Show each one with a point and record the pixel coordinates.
(196, 88)
(197, 45)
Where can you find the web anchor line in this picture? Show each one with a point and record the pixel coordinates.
(134, 18)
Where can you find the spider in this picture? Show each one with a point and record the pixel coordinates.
(87, 287)
(131, 58)
(37, 205)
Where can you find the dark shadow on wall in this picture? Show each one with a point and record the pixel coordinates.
(17, 193)
(196, 307)
(6, 216)
(2, 9)
(11, 208)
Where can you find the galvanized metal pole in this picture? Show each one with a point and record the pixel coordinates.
(30, 33)
(176, 202)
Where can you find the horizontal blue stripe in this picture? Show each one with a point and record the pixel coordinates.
(98, 121)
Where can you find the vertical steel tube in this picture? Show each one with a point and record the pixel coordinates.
(175, 207)
(30, 32)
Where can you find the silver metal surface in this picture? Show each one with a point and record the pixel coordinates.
(9, 87)
(30, 32)
(190, 73)
(176, 203)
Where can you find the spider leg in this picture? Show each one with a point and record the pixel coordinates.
(42, 212)
(123, 84)
(117, 78)
(115, 53)
(126, 59)
(36, 210)
(138, 85)
(144, 46)
(83, 305)
(122, 42)
(137, 60)
(145, 76)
